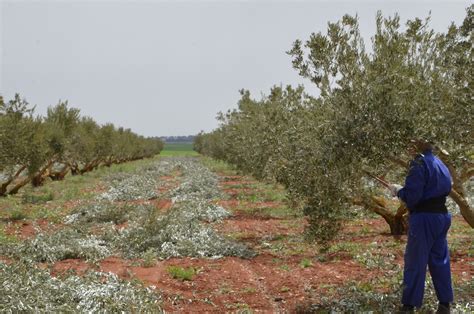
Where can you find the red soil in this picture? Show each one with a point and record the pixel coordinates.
(235, 203)
(164, 204)
(254, 226)
(123, 225)
(5, 260)
(229, 283)
(25, 229)
(266, 283)
(227, 183)
(167, 178)
(70, 265)
(235, 192)
(273, 281)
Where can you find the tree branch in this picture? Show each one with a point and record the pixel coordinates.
(466, 211)
(399, 161)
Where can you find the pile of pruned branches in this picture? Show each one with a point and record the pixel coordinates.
(26, 288)
(182, 231)
(185, 230)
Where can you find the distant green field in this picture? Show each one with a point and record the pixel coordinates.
(178, 149)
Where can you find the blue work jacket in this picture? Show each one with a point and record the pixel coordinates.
(427, 178)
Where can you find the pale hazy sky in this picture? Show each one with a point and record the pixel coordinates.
(167, 67)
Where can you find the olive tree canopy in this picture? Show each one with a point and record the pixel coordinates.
(413, 84)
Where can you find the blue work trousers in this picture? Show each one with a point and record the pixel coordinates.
(427, 245)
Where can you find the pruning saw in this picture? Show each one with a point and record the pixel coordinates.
(379, 180)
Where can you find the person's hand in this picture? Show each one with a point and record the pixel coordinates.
(394, 188)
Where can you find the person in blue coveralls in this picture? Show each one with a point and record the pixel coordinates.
(427, 185)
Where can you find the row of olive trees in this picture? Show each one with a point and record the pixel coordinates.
(413, 84)
(33, 148)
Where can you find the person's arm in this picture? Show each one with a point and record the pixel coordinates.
(412, 192)
(415, 182)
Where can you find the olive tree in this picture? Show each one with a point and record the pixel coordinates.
(57, 128)
(414, 84)
(21, 148)
(31, 147)
(277, 138)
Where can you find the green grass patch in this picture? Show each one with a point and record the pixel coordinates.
(38, 198)
(52, 215)
(127, 167)
(250, 290)
(293, 245)
(285, 267)
(178, 149)
(6, 238)
(181, 273)
(242, 308)
(218, 166)
(73, 191)
(305, 263)
(185, 147)
(17, 214)
(269, 192)
(350, 247)
(275, 212)
(52, 201)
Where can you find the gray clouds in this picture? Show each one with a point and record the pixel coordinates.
(165, 67)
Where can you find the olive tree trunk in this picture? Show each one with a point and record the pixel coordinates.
(4, 185)
(397, 222)
(458, 192)
(42, 174)
(20, 184)
(58, 176)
